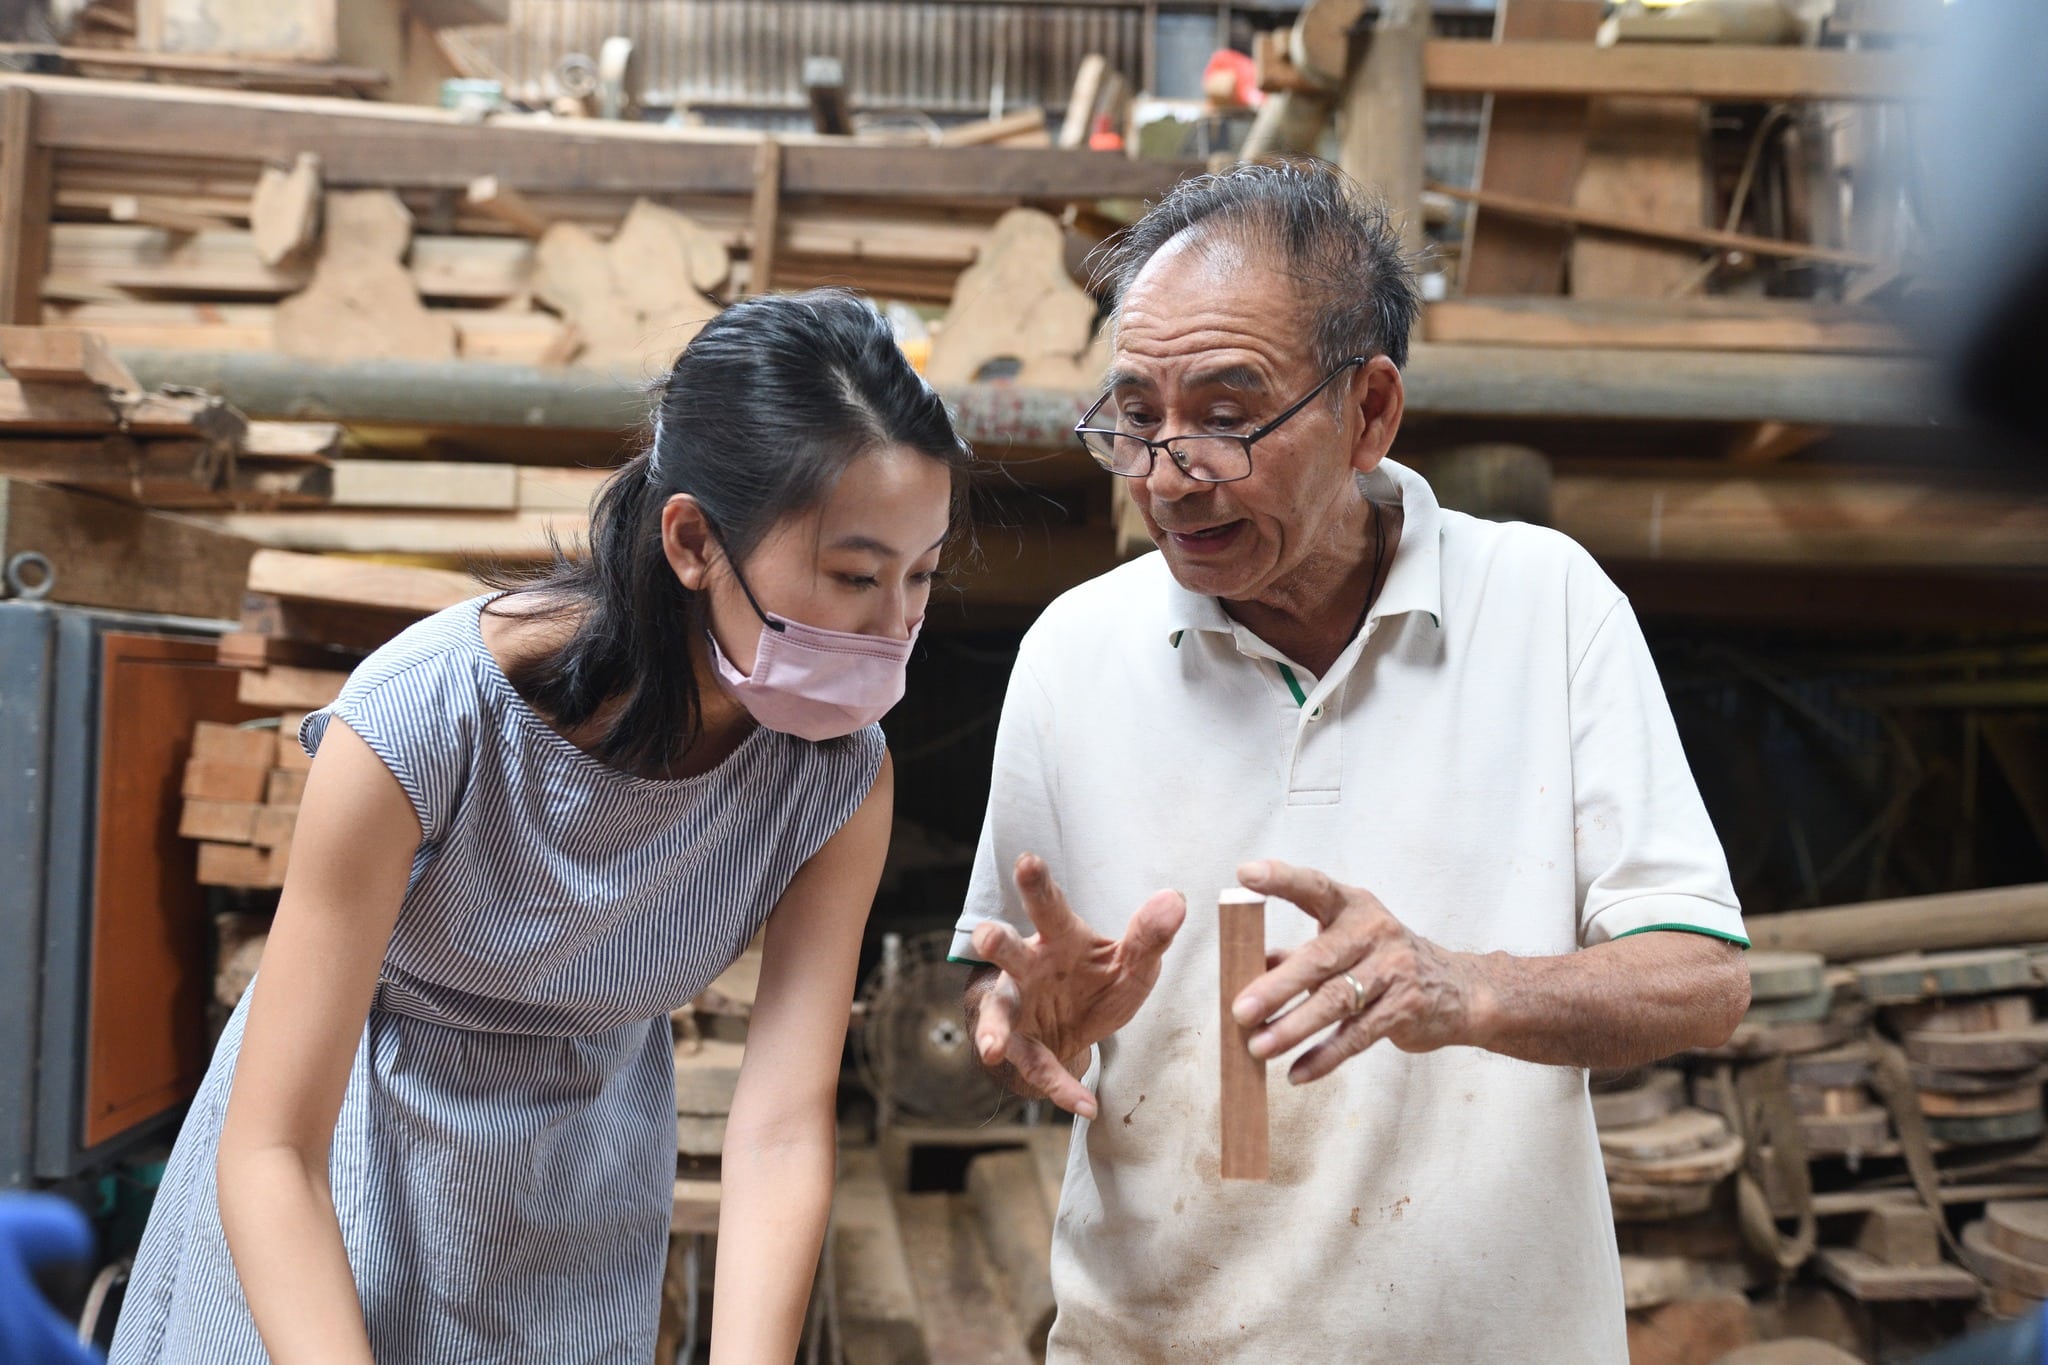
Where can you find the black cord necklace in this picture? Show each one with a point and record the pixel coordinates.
(1379, 554)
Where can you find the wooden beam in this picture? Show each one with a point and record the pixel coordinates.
(1959, 919)
(767, 218)
(313, 76)
(1711, 238)
(25, 192)
(1732, 74)
(130, 208)
(491, 196)
(62, 355)
(108, 554)
(1089, 80)
(1241, 959)
(362, 143)
(54, 408)
(426, 484)
(1722, 324)
(351, 583)
(1531, 146)
(1380, 116)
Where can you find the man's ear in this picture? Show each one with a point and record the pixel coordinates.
(686, 541)
(1378, 400)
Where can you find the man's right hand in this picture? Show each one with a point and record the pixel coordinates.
(1065, 988)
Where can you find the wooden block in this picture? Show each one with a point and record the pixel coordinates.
(59, 409)
(435, 484)
(240, 865)
(1900, 1235)
(2005, 1050)
(1785, 975)
(1970, 1132)
(1991, 1014)
(1644, 160)
(1772, 1040)
(1660, 1093)
(732, 992)
(1869, 1280)
(1904, 980)
(284, 788)
(2019, 1228)
(2000, 1267)
(291, 755)
(284, 210)
(183, 414)
(386, 589)
(62, 355)
(696, 1206)
(489, 195)
(281, 687)
(209, 779)
(273, 826)
(220, 822)
(706, 1076)
(232, 744)
(1241, 959)
(245, 649)
(279, 442)
(346, 630)
(700, 1135)
(764, 238)
(1946, 1105)
(1676, 1134)
(1842, 1134)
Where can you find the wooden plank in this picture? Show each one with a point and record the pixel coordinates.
(114, 462)
(286, 787)
(241, 865)
(208, 779)
(1593, 220)
(432, 484)
(1024, 128)
(1016, 1230)
(232, 744)
(1900, 1235)
(272, 826)
(1864, 1277)
(1089, 80)
(1532, 147)
(2004, 1050)
(2019, 1274)
(1644, 163)
(298, 687)
(2018, 1228)
(491, 196)
(291, 441)
(877, 1304)
(58, 409)
(25, 194)
(767, 217)
(363, 143)
(107, 554)
(62, 355)
(284, 210)
(1380, 119)
(393, 588)
(239, 72)
(1241, 958)
(1722, 72)
(1962, 919)
(1913, 977)
(707, 1074)
(291, 755)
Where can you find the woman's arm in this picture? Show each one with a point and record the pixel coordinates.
(780, 1151)
(352, 853)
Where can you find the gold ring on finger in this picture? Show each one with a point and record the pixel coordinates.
(1359, 999)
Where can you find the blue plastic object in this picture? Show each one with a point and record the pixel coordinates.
(46, 1234)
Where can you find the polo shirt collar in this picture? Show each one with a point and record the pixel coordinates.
(1414, 580)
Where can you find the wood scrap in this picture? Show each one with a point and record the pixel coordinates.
(62, 355)
(1869, 1280)
(492, 197)
(1902, 1235)
(2000, 1050)
(284, 210)
(2008, 1270)
(1784, 976)
(361, 301)
(1017, 312)
(638, 299)
(27, 188)
(1689, 1328)
(105, 553)
(2019, 1228)
(1909, 979)
(1659, 1095)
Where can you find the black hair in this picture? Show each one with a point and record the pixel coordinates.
(1333, 236)
(762, 412)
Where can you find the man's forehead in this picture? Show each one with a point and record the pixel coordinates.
(1211, 371)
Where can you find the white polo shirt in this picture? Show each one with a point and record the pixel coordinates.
(1494, 758)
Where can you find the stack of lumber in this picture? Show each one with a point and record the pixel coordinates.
(306, 620)
(1664, 1159)
(72, 415)
(711, 1039)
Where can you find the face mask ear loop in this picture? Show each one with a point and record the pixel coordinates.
(741, 579)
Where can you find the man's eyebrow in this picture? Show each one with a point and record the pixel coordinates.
(1119, 381)
(1242, 377)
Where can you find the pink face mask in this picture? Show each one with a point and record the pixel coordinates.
(813, 683)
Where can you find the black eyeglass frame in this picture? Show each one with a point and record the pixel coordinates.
(1082, 431)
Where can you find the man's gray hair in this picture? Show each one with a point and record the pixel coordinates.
(1336, 240)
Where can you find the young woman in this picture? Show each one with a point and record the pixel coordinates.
(441, 1125)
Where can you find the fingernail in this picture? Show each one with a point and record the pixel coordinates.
(986, 1043)
(1086, 1109)
(1262, 1045)
(1253, 872)
(1246, 1012)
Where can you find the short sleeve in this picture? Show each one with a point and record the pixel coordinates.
(1022, 812)
(418, 721)
(1647, 854)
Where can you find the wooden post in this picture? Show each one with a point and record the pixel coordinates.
(1381, 126)
(767, 217)
(25, 187)
(1241, 955)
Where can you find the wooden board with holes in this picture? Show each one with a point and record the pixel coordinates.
(2019, 1228)
(1865, 1278)
(1907, 980)
(1659, 1094)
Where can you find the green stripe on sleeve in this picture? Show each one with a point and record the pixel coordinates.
(1736, 939)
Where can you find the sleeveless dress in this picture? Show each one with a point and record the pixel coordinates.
(503, 1163)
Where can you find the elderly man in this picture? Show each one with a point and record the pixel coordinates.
(1440, 741)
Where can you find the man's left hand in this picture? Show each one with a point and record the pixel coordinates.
(1409, 991)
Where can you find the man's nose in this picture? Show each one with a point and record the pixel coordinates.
(1167, 481)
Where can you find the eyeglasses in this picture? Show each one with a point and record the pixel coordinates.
(1207, 458)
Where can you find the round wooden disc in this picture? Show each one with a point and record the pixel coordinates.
(1798, 1010)
(2002, 1268)
(1839, 1134)
(1937, 1104)
(1775, 1040)
(1652, 1203)
(1903, 980)
(1994, 1128)
(2003, 1303)
(1789, 1351)
(1677, 1133)
(1706, 1166)
(1659, 1094)
(1851, 1065)
(1926, 1078)
(2007, 1050)
(1991, 1014)
(2019, 1227)
(1784, 975)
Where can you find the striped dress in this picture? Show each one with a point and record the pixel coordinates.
(503, 1162)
